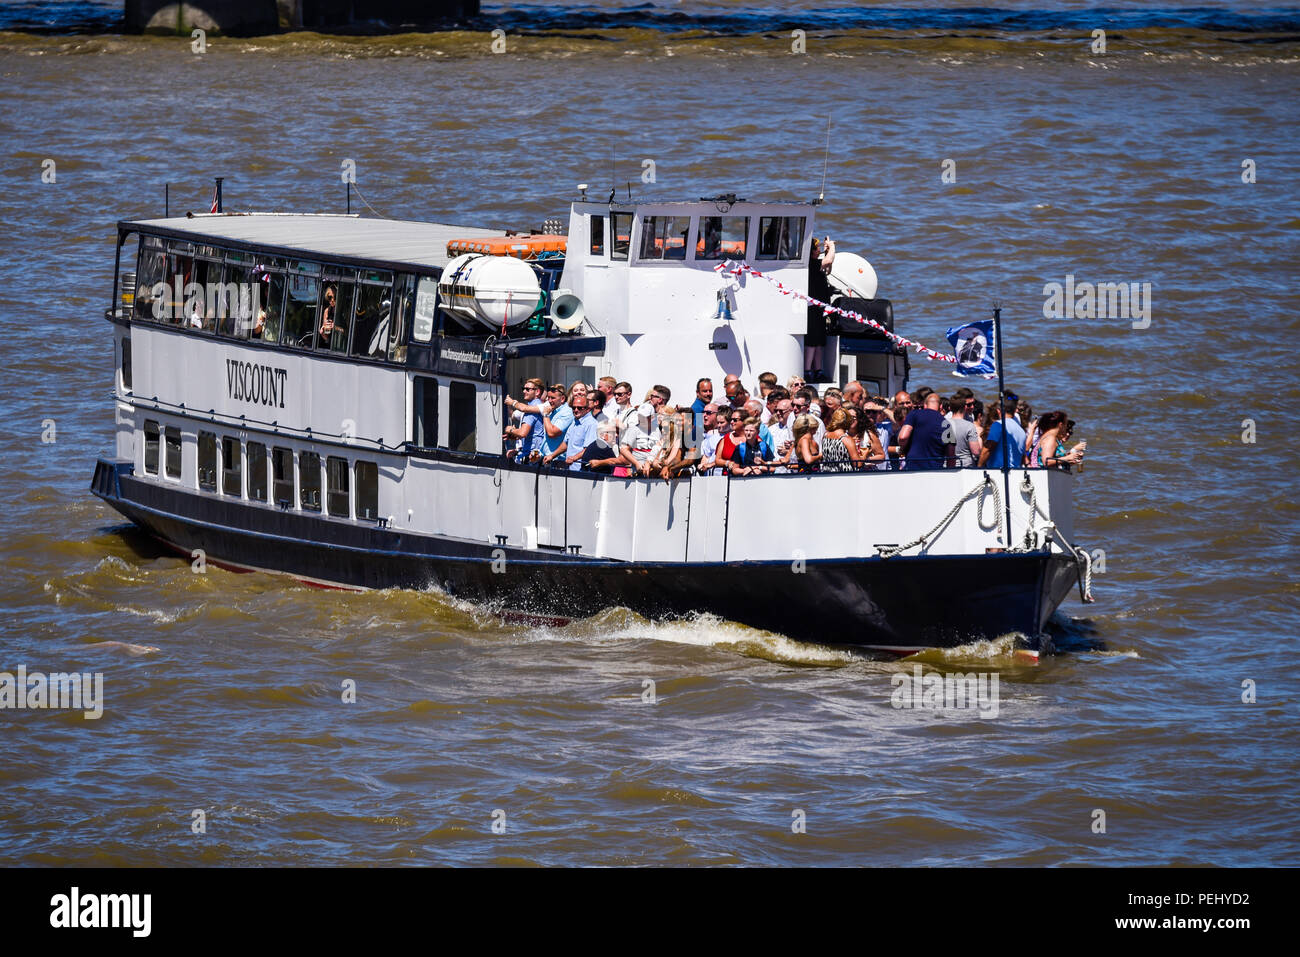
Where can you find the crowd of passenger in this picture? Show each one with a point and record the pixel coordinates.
(788, 428)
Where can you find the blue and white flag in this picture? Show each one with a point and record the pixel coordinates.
(972, 344)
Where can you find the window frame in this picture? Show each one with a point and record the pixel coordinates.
(338, 466)
(454, 424)
(288, 482)
(231, 444)
(777, 257)
(307, 502)
(614, 254)
(253, 472)
(170, 432)
(153, 442)
(210, 484)
(358, 484)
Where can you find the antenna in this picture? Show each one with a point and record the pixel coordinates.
(826, 160)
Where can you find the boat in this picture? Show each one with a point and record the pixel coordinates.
(370, 455)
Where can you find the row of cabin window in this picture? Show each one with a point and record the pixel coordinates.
(718, 238)
(244, 296)
(337, 472)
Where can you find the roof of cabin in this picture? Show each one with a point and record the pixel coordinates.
(319, 236)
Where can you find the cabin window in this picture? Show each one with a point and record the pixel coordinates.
(367, 490)
(231, 468)
(151, 447)
(403, 306)
(597, 228)
(270, 317)
(336, 305)
(126, 364)
(722, 237)
(780, 237)
(151, 271)
(426, 307)
(620, 235)
(172, 437)
(370, 316)
(309, 480)
(301, 304)
(239, 301)
(463, 420)
(282, 476)
(336, 486)
(178, 274)
(424, 411)
(208, 461)
(664, 237)
(257, 471)
(206, 302)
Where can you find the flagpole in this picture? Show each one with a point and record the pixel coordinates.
(220, 207)
(1005, 444)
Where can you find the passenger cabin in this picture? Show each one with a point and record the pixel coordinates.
(293, 357)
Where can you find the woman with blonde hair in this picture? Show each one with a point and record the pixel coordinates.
(805, 455)
(839, 451)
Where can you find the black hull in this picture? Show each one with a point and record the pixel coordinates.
(903, 602)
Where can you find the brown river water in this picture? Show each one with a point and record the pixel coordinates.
(221, 692)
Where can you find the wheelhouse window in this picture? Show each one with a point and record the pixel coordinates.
(426, 309)
(620, 235)
(780, 237)
(337, 295)
(367, 490)
(722, 237)
(172, 438)
(301, 304)
(231, 467)
(126, 363)
(337, 499)
(463, 420)
(208, 461)
(370, 318)
(257, 471)
(282, 476)
(664, 237)
(424, 411)
(309, 481)
(150, 447)
(597, 229)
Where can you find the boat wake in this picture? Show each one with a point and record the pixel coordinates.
(617, 625)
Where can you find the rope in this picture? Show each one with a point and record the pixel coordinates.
(889, 551)
(1081, 557)
(368, 206)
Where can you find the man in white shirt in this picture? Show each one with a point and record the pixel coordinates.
(780, 428)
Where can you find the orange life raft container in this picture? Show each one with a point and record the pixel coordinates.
(529, 246)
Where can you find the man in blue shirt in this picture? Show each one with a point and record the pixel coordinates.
(579, 435)
(922, 437)
(992, 453)
(557, 422)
